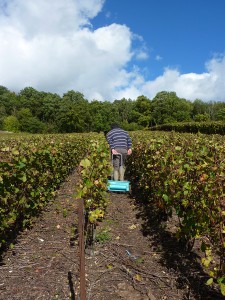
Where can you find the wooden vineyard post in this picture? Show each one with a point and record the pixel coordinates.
(81, 249)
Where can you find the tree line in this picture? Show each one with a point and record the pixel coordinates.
(35, 111)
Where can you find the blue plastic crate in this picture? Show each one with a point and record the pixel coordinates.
(118, 186)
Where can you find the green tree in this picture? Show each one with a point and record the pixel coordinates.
(10, 102)
(73, 115)
(202, 117)
(102, 115)
(11, 123)
(28, 122)
(3, 90)
(2, 115)
(220, 115)
(74, 97)
(33, 100)
(143, 107)
(199, 107)
(216, 110)
(124, 108)
(168, 108)
(51, 104)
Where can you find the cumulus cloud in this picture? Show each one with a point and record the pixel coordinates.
(206, 86)
(52, 46)
(49, 17)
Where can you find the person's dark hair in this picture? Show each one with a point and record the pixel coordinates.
(114, 125)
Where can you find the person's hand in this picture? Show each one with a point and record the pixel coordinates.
(129, 151)
(114, 151)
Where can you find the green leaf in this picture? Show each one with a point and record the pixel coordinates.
(11, 246)
(184, 202)
(165, 197)
(24, 178)
(209, 281)
(85, 163)
(222, 288)
(190, 154)
(65, 212)
(21, 165)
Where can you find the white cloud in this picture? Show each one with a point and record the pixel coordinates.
(206, 86)
(141, 55)
(51, 46)
(158, 57)
(47, 46)
(49, 17)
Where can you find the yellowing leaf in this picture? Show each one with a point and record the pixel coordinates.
(6, 149)
(109, 266)
(206, 261)
(138, 277)
(132, 226)
(15, 152)
(92, 218)
(212, 273)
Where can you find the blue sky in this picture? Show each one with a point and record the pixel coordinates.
(181, 34)
(111, 49)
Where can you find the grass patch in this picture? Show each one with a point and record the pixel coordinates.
(103, 235)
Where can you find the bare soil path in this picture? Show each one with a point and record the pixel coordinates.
(141, 260)
(43, 263)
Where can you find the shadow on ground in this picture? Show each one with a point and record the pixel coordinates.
(174, 255)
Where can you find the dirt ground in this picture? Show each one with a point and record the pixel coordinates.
(135, 256)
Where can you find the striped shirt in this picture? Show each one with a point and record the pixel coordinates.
(119, 138)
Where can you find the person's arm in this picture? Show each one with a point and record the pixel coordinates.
(109, 138)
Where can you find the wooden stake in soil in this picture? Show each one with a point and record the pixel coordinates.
(81, 249)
